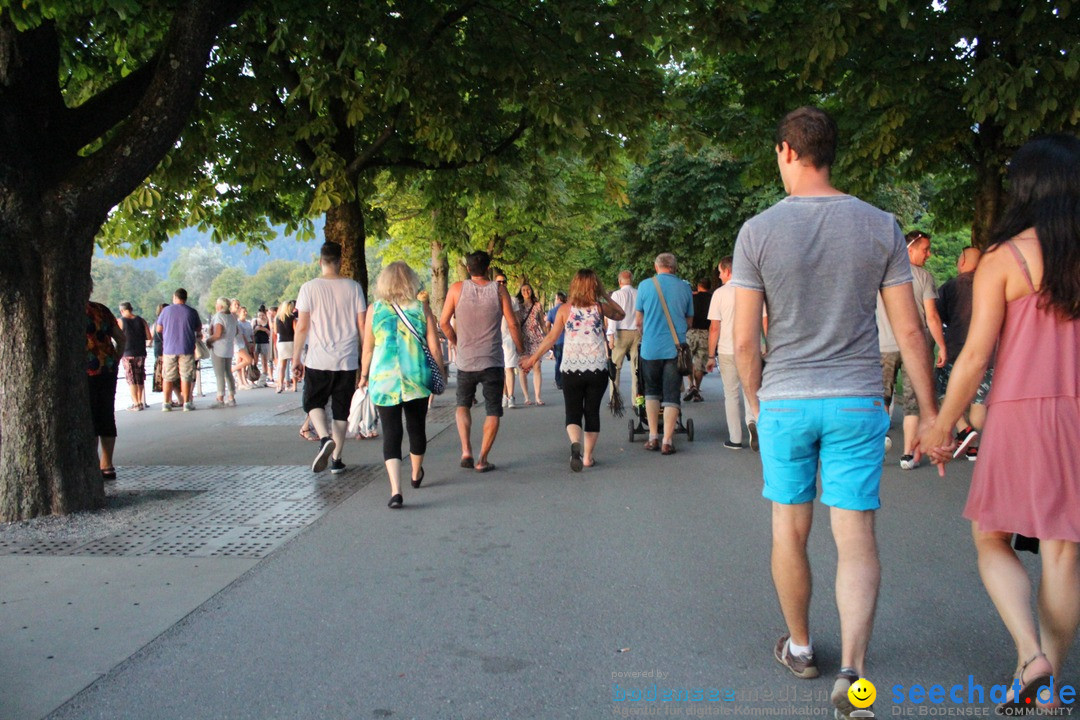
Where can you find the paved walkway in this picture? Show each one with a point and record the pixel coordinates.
(528, 592)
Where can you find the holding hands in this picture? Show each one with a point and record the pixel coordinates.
(937, 443)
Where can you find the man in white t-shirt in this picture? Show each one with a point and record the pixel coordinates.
(623, 336)
(722, 347)
(331, 317)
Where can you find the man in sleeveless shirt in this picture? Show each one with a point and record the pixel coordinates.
(478, 307)
(819, 257)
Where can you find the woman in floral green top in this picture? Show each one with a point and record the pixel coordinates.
(395, 371)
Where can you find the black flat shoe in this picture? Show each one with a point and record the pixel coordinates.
(417, 481)
(395, 502)
(108, 474)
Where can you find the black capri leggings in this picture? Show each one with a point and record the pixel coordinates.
(415, 422)
(583, 393)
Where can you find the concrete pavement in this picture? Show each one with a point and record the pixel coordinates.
(528, 592)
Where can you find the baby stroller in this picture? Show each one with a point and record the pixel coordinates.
(639, 423)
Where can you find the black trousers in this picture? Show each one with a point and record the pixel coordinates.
(583, 393)
(415, 412)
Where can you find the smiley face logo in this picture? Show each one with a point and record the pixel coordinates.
(862, 693)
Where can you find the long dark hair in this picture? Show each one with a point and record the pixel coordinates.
(1044, 193)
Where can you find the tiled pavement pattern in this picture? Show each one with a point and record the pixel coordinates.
(224, 511)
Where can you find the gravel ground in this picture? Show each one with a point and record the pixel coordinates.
(124, 507)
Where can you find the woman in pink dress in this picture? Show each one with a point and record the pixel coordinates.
(1027, 477)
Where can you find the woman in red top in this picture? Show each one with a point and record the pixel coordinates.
(104, 340)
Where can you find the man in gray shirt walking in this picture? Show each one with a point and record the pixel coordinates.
(818, 259)
(478, 307)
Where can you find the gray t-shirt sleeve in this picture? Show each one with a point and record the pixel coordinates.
(898, 271)
(745, 267)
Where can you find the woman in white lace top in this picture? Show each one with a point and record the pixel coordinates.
(584, 361)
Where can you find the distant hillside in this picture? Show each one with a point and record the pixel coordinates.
(250, 260)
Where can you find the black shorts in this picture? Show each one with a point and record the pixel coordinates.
(102, 403)
(492, 381)
(337, 386)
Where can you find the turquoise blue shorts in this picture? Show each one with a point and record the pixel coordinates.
(847, 437)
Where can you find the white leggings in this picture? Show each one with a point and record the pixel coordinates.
(223, 374)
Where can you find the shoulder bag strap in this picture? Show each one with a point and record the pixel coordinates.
(409, 325)
(667, 313)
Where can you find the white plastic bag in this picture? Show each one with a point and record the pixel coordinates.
(363, 418)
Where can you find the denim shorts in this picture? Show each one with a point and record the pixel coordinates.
(846, 435)
(662, 381)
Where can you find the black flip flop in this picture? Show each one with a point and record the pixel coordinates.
(466, 462)
(417, 481)
(575, 457)
(487, 468)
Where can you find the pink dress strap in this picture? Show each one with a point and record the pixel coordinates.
(1022, 262)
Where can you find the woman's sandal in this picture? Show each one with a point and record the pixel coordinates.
(308, 435)
(1029, 690)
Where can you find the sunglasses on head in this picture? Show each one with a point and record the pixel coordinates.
(916, 239)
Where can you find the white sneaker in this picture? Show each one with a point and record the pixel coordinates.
(189, 406)
(510, 402)
(231, 402)
(217, 405)
(166, 407)
(908, 462)
(888, 443)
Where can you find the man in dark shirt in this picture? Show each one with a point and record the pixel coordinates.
(954, 307)
(697, 337)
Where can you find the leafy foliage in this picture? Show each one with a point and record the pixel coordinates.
(948, 89)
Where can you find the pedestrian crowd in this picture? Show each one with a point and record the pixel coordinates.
(822, 306)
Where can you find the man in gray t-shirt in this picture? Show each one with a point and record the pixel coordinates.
(818, 260)
(924, 290)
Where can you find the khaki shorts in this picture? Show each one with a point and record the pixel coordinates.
(178, 367)
(698, 340)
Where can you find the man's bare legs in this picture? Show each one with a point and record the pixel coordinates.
(858, 575)
(491, 429)
(652, 413)
(791, 566)
(337, 431)
(463, 415)
(671, 420)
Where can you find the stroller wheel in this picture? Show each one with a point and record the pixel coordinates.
(630, 424)
(690, 430)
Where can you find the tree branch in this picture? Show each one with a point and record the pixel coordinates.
(104, 178)
(417, 164)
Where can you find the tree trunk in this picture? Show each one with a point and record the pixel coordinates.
(989, 202)
(345, 226)
(440, 273)
(48, 455)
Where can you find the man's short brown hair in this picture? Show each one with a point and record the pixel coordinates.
(330, 253)
(811, 133)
